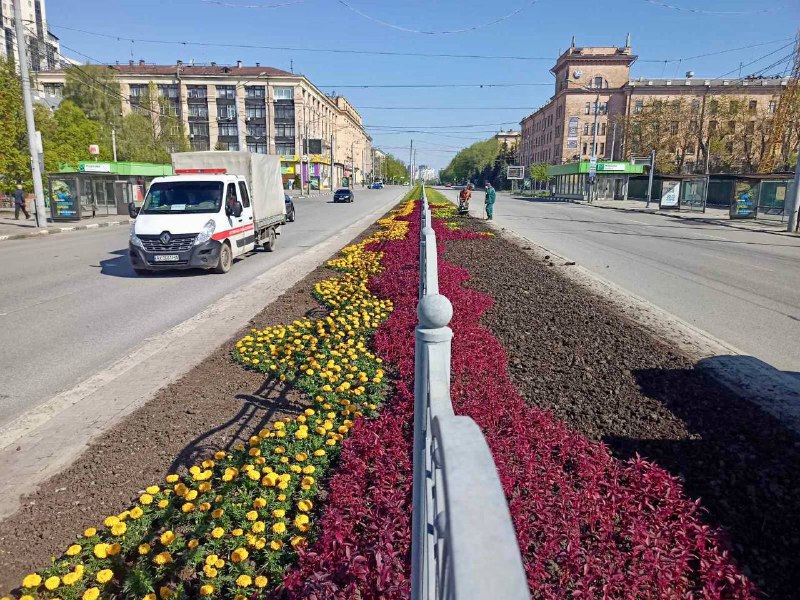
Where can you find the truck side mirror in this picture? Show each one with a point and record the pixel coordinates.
(237, 209)
(133, 211)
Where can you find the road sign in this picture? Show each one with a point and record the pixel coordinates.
(94, 149)
(592, 167)
(515, 172)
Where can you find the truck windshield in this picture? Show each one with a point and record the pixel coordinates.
(183, 197)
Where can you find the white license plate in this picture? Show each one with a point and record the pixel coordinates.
(166, 258)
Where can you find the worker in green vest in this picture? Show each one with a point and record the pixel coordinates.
(490, 198)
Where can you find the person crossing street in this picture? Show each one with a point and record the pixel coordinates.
(491, 195)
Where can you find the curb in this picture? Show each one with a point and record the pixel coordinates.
(55, 230)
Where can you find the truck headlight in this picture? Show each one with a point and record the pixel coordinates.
(206, 233)
(135, 238)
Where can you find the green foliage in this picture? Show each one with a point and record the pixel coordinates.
(95, 90)
(395, 169)
(137, 140)
(478, 163)
(14, 161)
(538, 171)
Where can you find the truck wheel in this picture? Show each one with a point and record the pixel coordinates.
(269, 245)
(225, 260)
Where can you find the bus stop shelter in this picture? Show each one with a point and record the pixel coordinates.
(99, 188)
(610, 182)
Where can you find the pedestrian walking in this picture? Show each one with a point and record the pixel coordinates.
(491, 195)
(19, 203)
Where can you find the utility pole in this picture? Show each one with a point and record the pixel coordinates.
(792, 223)
(331, 175)
(593, 160)
(352, 165)
(650, 177)
(36, 173)
(114, 142)
(411, 164)
(613, 140)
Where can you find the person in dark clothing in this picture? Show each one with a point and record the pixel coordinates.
(19, 203)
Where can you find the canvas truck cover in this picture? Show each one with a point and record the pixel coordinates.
(262, 172)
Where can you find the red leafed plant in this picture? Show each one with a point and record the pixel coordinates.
(588, 525)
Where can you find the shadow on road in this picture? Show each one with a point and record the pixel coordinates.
(120, 266)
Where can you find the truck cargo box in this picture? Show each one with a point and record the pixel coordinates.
(262, 172)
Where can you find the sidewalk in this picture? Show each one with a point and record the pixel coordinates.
(11, 229)
(712, 215)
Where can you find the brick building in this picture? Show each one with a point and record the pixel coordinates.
(254, 108)
(562, 130)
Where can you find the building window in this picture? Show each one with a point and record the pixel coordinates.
(731, 126)
(713, 107)
(257, 148)
(226, 111)
(753, 106)
(584, 149)
(284, 113)
(198, 129)
(597, 82)
(772, 106)
(196, 92)
(226, 92)
(602, 149)
(284, 130)
(588, 108)
(198, 111)
(604, 108)
(284, 148)
(602, 128)
(734, 107)
(676, 104)
(712, 126)
(750, 128)
(696, 105)
(53, 89)
(232, 146)
(690, 148)
(255, 112)
(284, 93)
(199, 144)
(167, 91)
(673, 127)
(638, 106)
(228, 130)
(729, 146)
(254, 92)
(256, 130)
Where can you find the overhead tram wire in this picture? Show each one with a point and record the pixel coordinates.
(123, 38)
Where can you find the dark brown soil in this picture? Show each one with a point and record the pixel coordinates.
(212, 407)
(576, 355)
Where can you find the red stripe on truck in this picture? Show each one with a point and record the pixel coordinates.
(228, 233)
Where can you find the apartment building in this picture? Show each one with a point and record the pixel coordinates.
(563, 130)
(320, 138)
(509, 138)
(43, 47)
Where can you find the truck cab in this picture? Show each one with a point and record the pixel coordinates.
(204, 217)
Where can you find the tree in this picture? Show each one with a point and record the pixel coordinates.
(480, 161)
(137, 140)
(396, 169)
(66, 137)
(14, 159)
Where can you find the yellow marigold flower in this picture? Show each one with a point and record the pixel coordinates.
(136, 513)
(276, 544)
(278, 425)
(31, 581)
(119, 529)
(181, 489)
(218, 513)
(204, 506)
(304, 505)
(92, 593)
(309, 469)
(297, 540)
(254, 475)
(90, 532)
(307, 482)
(172, 478)
(206, 590)
(167, 538)
(163, 503)
(236, 532)
(70, 578)
(219, 454)
(239, 555)
(52, 582)
(144, 549)
(190, 495)
(251, 515)
(217, 532)
(281, 497)
(25, 597)
(162, 558)
(166, 592)
(149, 597)
(192, 544)
(111, 521)
(211, 559)
(258, 527)
(319, 452)
(113, 549)
(259, 503)
(188, 507)
(105, 575)
(210, 571)
(301, 456)
(243, 580)
(220, 563)
(261, 581)
(279, 527)
(146, 499)
(73, 550)
(101, 550)
(278, 513)
(302, 522)
(269, 480)
(204, 487)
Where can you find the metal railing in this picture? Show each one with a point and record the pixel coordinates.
(463, 543)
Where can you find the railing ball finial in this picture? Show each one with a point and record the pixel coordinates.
(434, 311)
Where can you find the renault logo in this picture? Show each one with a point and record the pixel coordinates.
(164, 238)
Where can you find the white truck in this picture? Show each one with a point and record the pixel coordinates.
(217, 206)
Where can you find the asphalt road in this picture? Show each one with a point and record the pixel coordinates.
(742, 287)
(70, 304)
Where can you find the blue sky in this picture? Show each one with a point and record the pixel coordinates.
(659, 30)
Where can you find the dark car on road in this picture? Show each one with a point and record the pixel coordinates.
(289, 208)
(343, 195)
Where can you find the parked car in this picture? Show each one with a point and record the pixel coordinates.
(289, 208)
(378, 185)
(343, 195)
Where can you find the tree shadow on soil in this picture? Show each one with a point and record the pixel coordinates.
(273, 399)
(740, 461)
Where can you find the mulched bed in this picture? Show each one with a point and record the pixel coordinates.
(576, 355)
(214, 406)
